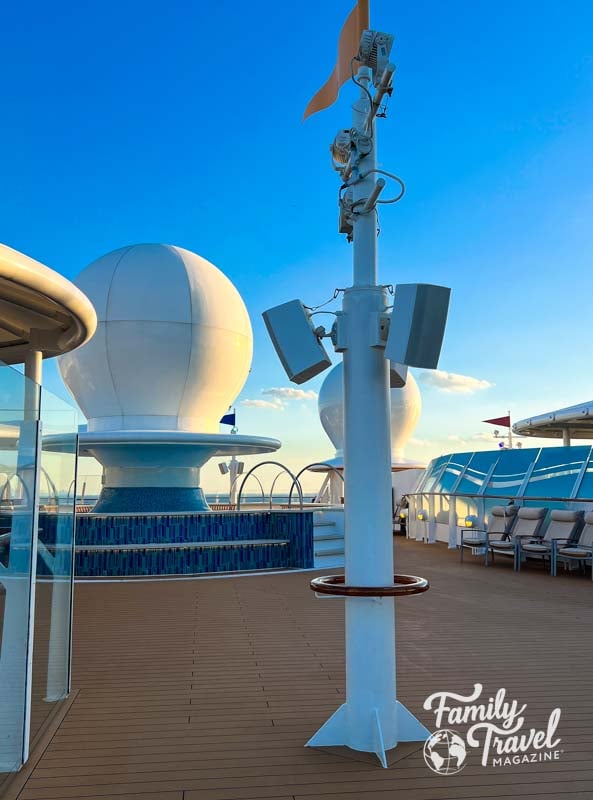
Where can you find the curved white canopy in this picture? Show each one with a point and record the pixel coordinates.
(39, 309)
(221, 444)
(574, 421)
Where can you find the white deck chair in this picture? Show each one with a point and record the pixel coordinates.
(580, 551)
(563, 528)
(528, 524)
(499, 524)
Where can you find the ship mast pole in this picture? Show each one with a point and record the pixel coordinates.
(510, 432)
(371, 719)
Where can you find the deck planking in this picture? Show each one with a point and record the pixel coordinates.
(207, 689)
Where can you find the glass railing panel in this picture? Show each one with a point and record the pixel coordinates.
(456, 465)
(509, 473)
(476, 471)
(556, 471)
(53, 597)
(585, 490)
(433, 473)
(19, 399)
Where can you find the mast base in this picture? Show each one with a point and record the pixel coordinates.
(342, 729)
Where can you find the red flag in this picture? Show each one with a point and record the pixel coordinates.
(504, 422)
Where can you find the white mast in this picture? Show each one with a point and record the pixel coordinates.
(374, 343)
(371, 719)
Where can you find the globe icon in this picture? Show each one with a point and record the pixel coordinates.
(445, 752)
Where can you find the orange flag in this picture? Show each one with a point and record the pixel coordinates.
(348, 45)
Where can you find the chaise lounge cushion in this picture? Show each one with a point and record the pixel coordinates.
(533, 547)
(562, 515)
(574, 552)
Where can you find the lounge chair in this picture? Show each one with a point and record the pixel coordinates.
(579, 550)
(499, 524)
(528, 524)
(564, 527)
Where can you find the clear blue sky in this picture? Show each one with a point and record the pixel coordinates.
(179, 122)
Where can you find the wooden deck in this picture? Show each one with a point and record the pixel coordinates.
(207, 689)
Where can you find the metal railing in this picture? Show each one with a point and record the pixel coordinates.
(451, 509)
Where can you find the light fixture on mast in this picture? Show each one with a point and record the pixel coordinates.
(374, 52)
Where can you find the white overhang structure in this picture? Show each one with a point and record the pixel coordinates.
(574, 422)
(42, 314)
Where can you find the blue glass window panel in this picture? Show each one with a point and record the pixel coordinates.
(435, 468)
(453, 470)
(586, 487)
(556, 471)
(476, 471)
(509, 473)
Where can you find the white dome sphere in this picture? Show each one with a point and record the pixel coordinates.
(173, 346)
(406, 406)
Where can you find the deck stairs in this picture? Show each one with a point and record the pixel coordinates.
(328, 538)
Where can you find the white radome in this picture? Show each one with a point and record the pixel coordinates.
(406, 406)
(173, 346)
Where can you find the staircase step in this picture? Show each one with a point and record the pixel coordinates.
(325, 537)
(327, 546)
(336, 551)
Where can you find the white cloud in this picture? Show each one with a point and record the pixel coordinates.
(280, 397)
(274, 406)
(475, 437)
(415, 442)
(288, 393)
(453, 383)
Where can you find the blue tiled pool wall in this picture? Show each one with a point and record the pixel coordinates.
(180, 562)
(169, 529)
(55, 529)
(153, 500)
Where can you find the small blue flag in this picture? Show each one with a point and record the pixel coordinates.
(228, 419)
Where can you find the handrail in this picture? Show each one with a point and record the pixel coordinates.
(261, 488)
(273, 486)
(267, 463)
(402, 585)
(501, 497)
(313, 464)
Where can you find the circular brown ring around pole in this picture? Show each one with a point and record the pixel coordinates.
(402, 585)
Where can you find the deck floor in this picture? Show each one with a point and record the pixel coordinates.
(208, 689)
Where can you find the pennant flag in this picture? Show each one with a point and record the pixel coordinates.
(228, 419)
(504, 422)
(348, 45)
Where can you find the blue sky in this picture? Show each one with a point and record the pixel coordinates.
(130, 122)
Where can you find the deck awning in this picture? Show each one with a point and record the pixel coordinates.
(39, 309)
(574, 422)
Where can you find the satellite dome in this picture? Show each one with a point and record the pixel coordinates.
(406, 405)
(173, 346)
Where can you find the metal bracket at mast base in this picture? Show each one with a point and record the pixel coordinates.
(378, 738)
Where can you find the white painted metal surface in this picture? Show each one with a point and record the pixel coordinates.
(173, 346)
(573, 422)
(39, 309)
(160, 458)
(172, 351)
(371, 719)
(405, 410)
